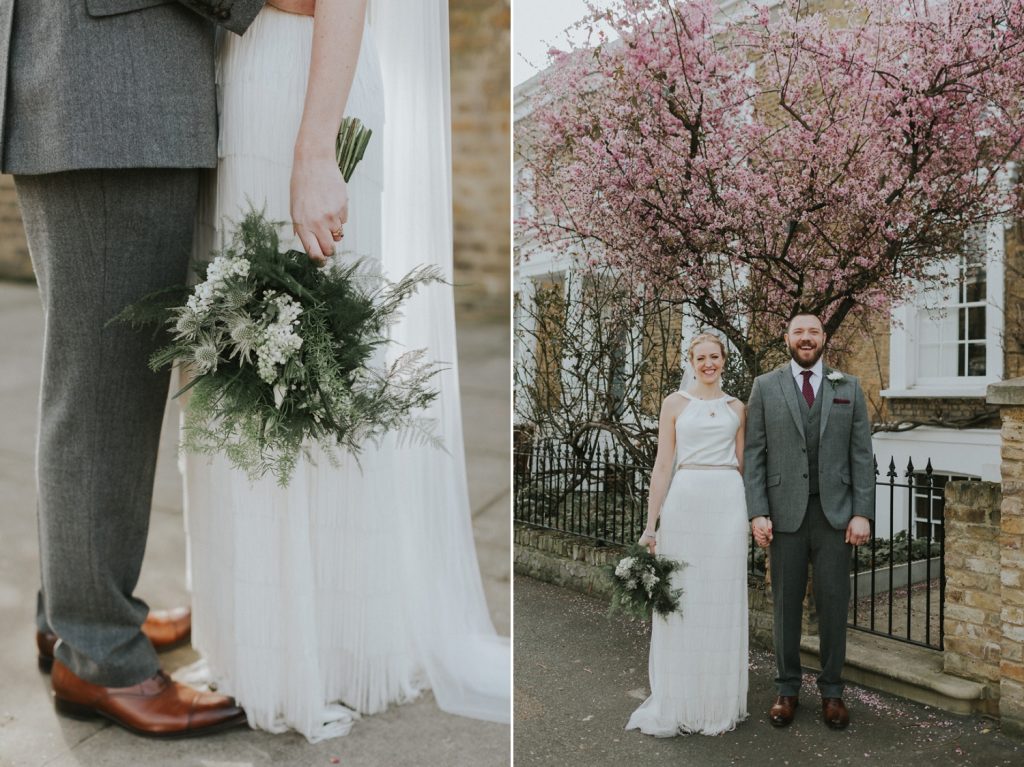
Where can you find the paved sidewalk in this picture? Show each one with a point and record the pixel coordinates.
(579, 675)
(32, 735)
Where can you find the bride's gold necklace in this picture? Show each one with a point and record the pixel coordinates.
(713, 406)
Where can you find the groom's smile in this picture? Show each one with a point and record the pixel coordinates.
(805, 338)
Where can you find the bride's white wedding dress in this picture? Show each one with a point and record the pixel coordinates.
(356, 586)
(698, 660)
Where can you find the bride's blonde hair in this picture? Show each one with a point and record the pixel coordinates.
(701, 338)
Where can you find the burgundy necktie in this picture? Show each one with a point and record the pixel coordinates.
(808, 389)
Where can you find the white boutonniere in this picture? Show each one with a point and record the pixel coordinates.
(835, 378)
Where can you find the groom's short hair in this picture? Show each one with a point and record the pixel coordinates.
(801, 313)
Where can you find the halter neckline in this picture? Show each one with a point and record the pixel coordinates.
(723, 398)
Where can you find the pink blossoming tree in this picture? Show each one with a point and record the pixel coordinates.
(782, 158)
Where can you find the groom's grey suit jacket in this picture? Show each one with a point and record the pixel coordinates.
(111, 83)
(775, 461)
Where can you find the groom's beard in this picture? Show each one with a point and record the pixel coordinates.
(800, 358)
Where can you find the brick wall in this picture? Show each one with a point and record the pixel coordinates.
(1013, 300)
(861, 348)
(984, 556)
(945, 410)
(1010, 396)
(564, 559)
(972, 626)
(480, 155)
(481, 84)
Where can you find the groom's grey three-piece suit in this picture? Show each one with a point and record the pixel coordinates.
(109, 112)
(809, 469)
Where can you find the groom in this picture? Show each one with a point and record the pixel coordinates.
(108, 112)
(810, 486)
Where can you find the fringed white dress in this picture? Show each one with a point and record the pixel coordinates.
(331, 598)
(698, 659)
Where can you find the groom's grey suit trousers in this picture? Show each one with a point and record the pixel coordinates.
(108, 111)
(100, 240)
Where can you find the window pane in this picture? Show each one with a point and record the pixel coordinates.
(976, 323)
(937, 359)
(974, 283)
(976, 359)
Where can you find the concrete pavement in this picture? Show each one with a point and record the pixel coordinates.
(31, 733)
(579, 675)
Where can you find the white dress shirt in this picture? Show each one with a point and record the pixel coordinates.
(816, 375)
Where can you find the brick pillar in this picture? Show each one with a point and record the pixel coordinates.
(972, 621)
(1009, 396)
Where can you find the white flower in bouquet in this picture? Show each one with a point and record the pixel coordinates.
(218, 274)
(649, 579)
(624, 566)
(279, 341)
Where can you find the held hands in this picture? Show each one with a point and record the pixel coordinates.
(301, 7)
(319, 204)
(647, 539)
(858, 531)
(761, 528)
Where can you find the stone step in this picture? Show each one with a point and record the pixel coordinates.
(905, 670)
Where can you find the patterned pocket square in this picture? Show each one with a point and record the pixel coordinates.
(840, 402)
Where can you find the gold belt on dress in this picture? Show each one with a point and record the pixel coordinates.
(718, 466)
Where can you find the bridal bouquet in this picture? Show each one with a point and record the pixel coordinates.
(640, 584)
(281, 353)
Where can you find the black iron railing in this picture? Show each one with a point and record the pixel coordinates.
(897, 581)
(597, 493)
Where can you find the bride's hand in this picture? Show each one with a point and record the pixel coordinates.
(301, 7)
(319, 205)
(647, 539)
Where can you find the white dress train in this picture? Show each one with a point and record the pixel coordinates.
(354, 587)
(698, 660)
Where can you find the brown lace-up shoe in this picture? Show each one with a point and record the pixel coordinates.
(158, 707)
(834, 712)
(166, 629)
(781, 714)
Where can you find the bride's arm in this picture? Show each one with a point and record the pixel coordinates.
(661, 476)
(319, 196)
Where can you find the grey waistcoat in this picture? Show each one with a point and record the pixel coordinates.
(111, 83)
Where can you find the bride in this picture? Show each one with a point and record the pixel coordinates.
(698, 659)
(356, 586)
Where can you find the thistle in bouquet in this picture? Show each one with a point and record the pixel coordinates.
(641, 584)
(283, 354)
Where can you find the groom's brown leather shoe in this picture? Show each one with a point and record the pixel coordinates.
(834, 712)
(158, 707)
(781, 713)
(166, 629)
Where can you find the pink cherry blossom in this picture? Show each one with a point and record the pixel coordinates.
(747, 166)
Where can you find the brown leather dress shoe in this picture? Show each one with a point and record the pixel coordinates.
(782, 712)
(166, 629)
(834, 712)
(158, 707)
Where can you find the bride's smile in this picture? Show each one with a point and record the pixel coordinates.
(708, 363)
